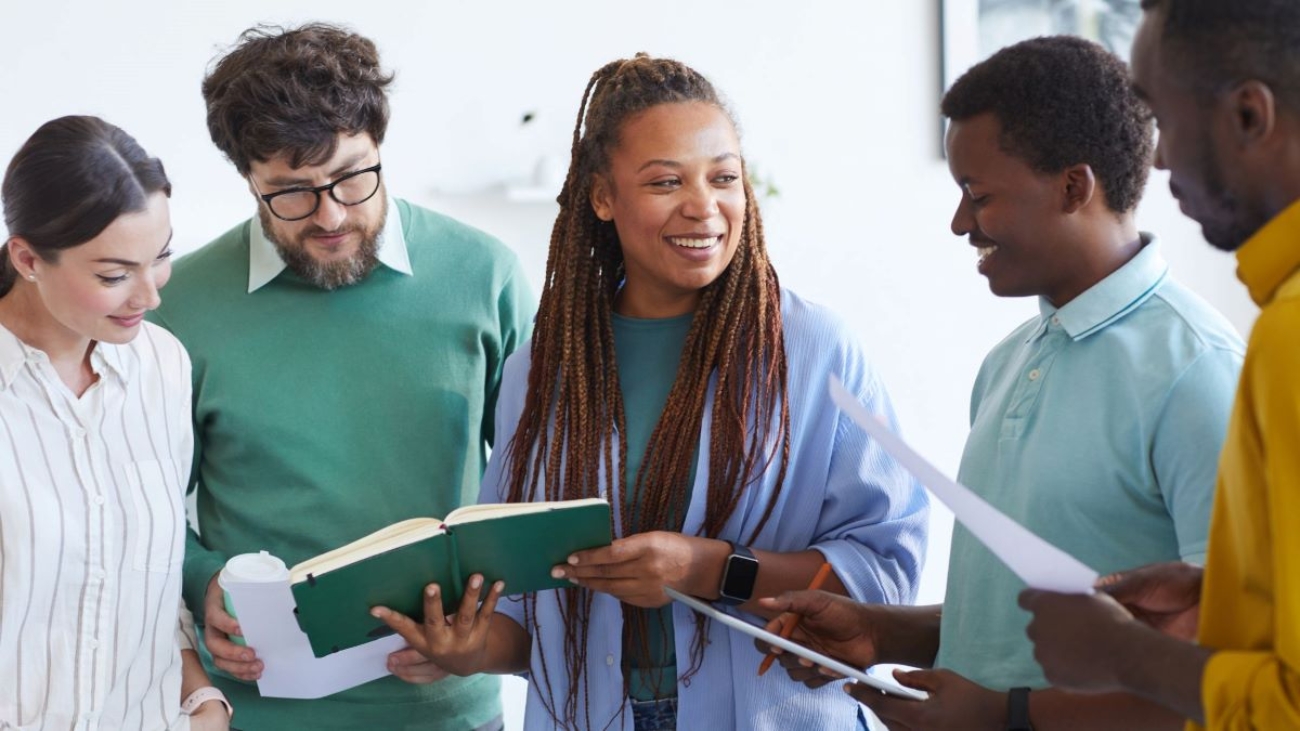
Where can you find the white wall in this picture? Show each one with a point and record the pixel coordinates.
(837, 102)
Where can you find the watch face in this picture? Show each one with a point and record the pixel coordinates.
(742, 571)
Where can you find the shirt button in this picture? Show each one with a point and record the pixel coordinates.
(1034, 374)
(609, 660)
(1056, 320)
(98, 500)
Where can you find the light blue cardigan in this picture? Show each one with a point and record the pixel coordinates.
(844, 497)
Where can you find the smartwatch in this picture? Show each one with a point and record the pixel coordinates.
(738, 576)
(1018, 710)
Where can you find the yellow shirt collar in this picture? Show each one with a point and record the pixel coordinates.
(1272, 256)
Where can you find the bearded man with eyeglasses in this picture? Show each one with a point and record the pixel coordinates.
(347, 351)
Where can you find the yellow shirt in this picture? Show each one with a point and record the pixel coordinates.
(1250, 603)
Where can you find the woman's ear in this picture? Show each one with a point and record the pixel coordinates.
(22, 257)
(602, 199)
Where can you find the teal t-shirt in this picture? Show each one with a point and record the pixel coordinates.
(648, 353)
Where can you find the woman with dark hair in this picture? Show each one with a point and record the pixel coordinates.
(670, 373)
(95, 445)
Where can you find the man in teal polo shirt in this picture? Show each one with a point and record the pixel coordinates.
(1097, 424)
(347, 349)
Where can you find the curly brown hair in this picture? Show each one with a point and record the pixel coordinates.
(1063, 101)
(292, 92)
(573, 424)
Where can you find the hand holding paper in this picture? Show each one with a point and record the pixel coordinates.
(1037, 562)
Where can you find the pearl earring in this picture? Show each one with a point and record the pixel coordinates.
(32, 277)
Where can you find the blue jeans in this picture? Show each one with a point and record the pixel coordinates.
(656, 715)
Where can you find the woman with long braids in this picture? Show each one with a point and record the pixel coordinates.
(671, 374)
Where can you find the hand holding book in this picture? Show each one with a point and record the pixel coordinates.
(458, 644)
(518, 543)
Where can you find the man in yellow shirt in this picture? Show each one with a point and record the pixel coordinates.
(1223, 79)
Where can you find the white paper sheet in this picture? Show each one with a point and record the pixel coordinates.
(1037, 562)
(884, 685)
(290, 670)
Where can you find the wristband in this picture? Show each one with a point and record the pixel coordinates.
(191, 704)
(1018, 710)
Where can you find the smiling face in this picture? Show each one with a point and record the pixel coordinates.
(101, 289)
(336, 245)
(1011, 213)
(675, 194)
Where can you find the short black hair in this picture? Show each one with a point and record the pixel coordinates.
(1062, 101)
(1216, 44)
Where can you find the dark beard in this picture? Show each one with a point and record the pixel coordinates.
(333, 275)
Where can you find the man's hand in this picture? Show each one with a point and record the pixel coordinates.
(457, 644)
(237, 660)
(830, 624)
(954, 702)
(1166, 596)
(1080, 640)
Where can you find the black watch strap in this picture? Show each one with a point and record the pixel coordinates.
(1018, 710)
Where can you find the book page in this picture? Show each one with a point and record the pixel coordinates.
(382, 540)
(488, 511)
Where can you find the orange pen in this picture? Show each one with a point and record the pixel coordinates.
(790, 620)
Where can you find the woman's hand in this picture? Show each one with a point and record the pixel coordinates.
(636, 569)
(457, 644)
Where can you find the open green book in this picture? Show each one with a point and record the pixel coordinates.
(517, 543)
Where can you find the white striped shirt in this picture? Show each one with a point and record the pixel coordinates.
(92, 536)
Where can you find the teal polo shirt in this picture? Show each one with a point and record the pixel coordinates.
(1098, 426)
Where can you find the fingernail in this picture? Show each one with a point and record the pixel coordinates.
(573, 560)
(573, 581)
(476, 582)
(431, 591)
(499, 587)
(377, 613)
(557, 573)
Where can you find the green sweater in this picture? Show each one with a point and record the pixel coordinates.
(322, 416)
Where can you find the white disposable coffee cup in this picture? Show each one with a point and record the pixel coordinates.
(250, 568)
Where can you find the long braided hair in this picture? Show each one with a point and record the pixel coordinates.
(572, 424)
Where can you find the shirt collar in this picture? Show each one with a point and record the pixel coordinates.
(1271, 257)
(113, 358)
(1122, 291)
(14, 353)
(12, 356)
(265, 264)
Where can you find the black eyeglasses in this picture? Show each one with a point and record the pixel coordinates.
(296, 204)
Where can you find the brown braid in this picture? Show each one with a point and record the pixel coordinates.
(573, 418)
